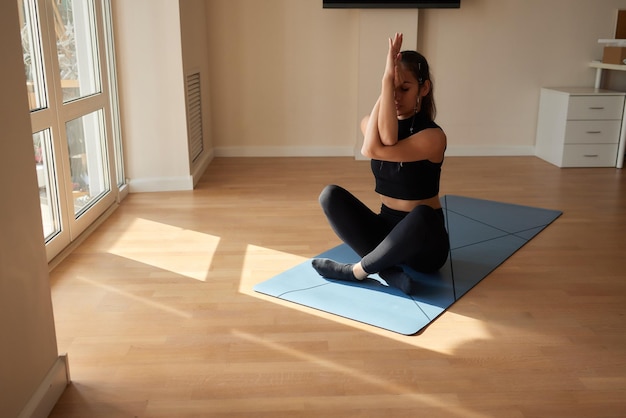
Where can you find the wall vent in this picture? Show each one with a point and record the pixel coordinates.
(194, 116)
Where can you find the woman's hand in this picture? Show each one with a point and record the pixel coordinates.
(386, 115)
(393, 59)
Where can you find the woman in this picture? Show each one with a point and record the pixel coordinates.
(406, 148)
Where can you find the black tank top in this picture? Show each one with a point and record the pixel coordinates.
(411, 180)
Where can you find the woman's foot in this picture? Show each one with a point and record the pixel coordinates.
(396, 277)
(333, 270)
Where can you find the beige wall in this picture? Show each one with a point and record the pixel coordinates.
(28, 347)
(283, 77)
(491, 57)
(284, 72)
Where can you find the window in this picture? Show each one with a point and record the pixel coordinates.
(68, 55)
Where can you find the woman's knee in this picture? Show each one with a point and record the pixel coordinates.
(330, 194)
(425, 217)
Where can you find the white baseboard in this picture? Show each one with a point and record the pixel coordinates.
(452, 151)
(160, 184)
(49, 391)
(170, 184)
(287, 151)
(490, 151)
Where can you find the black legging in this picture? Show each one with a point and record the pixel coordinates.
(391, 238)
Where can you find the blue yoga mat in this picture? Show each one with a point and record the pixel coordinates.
(483, 234)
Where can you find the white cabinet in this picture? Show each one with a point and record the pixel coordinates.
(579, 126)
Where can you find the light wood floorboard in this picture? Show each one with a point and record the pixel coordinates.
(157, 313)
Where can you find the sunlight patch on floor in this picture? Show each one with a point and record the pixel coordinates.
(154, 243)
(145, 301)
(261, 263)
(451, 331)
(440, 401)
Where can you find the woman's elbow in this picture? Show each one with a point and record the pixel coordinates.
(365, 151)
(369, 151)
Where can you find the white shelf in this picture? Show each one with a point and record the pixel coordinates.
(604, 66)
(585, 91)
(612, 42)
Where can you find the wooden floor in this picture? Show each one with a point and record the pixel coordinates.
(157, 313)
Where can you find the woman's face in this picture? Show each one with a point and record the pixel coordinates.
(406, 94)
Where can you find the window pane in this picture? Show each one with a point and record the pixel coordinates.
(42, 144)
(31, 48)
(88, 160)
(76, 48)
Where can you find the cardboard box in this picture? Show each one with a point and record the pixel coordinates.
(614, 55)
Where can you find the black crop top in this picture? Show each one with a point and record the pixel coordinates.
(414, 180)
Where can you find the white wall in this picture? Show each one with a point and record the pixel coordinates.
(195, 52)
(152, 96)
(28, 347)
(284, 72)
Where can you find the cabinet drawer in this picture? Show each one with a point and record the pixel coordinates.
(592, 131)
(595, 107)
(575, 155)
